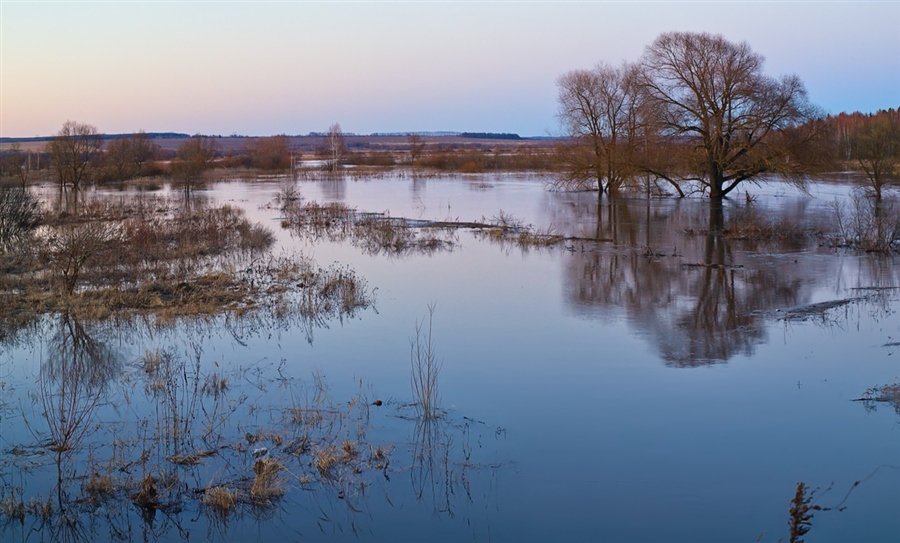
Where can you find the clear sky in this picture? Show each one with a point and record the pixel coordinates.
(261, 68)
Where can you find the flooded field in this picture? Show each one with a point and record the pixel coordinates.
(609, 372)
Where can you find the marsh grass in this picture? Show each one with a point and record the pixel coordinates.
(260, 439)
(425, 369)
(268, 484)
(221, 499)
(373, 233)
(100, 486)
(132, 259)
(147, 496)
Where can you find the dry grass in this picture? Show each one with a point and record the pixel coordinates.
(100, 485)
(373, 233)
(147, 496)
(505, 228)
(221, 499)
(348, 452)
(189, 459)
(133, 260)
(267, 481)
(12, 507)
(326, 460)
(215, 385)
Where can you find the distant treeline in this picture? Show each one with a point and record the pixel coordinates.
(490, 135)
(106, 137)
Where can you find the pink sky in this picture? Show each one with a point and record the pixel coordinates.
(294, 67)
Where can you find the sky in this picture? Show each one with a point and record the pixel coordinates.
(271, 67)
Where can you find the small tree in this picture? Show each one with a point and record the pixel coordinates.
(876, 146)
(19, 216)
(271, 153)
(416, 146)
(118, 158)
(143, 150)
(74, 153)
(195, 156)
(598, 109)
(18, 164)
(335, 148)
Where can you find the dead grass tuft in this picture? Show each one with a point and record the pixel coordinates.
(13, 508)
(214, 385)
(147, 496)
(326, 459)
(267, 482)
(348, 452)
(100, 485)
(221, 499)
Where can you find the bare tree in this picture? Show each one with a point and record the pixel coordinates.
(195, 156)
(20, 214)
(18, 164)
(416, 146)
(335, 147)
(598, 110)
(876, 146)
(119, 161)
(270, 153)
(143, 150)
(74, 153)
(722, 112)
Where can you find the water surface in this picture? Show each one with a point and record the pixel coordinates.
(638, 382)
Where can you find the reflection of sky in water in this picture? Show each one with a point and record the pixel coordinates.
(576, 353)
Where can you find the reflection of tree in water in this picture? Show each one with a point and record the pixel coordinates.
(690, 293)
(334, 188)
(72, 380)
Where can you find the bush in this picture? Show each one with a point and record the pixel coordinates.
(868, 224)
(19, 216)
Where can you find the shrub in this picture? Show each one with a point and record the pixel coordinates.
(19, 216)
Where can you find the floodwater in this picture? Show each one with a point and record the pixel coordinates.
(642, 381)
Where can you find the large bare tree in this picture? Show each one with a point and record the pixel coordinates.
(722, 114)
(74, 153)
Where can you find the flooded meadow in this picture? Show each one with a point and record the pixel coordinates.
(471, 357)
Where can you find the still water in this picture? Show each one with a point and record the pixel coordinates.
(642, 381)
